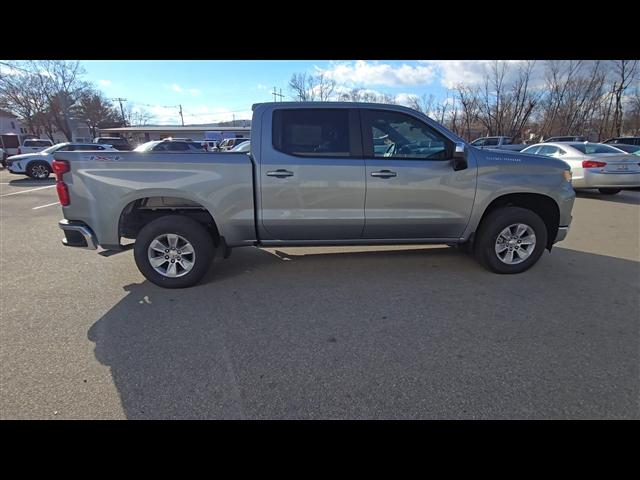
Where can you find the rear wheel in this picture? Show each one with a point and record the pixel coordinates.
(609, 191)
(39, 170)
(173, 251)
(510, 240)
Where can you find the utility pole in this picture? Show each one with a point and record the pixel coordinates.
(233, 115)
(181, 117)
(276, 94)
(120, 100)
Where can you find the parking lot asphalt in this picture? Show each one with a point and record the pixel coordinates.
(320, 333)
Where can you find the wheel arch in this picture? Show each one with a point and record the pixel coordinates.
(147, 206)
(543, 205)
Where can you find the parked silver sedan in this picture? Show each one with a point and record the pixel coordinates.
(594, 165)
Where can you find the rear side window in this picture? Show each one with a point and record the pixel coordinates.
(547, 150)
(532, 150)
(593, 148)
(491, 142)
(312, 132)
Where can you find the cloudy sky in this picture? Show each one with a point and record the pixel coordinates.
(212, 91)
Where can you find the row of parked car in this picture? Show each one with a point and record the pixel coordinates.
(35, 157)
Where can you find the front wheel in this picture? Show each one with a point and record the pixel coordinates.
(173, 251)
(39, 170)
(510, 240)
(609, 191)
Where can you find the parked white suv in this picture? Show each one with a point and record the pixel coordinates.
(38, 165)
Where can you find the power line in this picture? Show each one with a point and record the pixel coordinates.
(120, 100)
(275, 94)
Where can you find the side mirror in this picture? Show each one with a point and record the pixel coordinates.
(460, 157)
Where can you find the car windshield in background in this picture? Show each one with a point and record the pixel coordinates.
(594, 148)
(53, 148)
(627, 148)
(145, 147)
(36, 143)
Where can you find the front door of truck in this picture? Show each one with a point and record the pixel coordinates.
(412, 189)
(312, 175)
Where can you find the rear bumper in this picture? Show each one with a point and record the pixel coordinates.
(605, 180)
(78, 234)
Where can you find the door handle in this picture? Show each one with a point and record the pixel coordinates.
(280, 173)
(384, 174)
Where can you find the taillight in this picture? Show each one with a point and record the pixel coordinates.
(63, 193)
(60, 167)
(593, 164)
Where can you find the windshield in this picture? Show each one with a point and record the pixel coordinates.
(54, 148)
(242, 147)
(594, 148)
(146, 147)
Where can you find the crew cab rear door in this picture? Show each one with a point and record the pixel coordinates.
(412, 189)
(312, 175)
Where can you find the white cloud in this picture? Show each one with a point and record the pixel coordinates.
(176, 88)
(261, 86)
(194, 91)
(472, 72)
(104, 83)
(374, 73)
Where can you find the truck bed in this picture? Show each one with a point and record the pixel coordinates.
(220, 183)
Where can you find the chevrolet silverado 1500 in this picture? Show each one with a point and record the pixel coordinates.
(313, 177)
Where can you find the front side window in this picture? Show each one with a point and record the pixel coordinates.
(312, 132)
(398, 135)
(490, 142)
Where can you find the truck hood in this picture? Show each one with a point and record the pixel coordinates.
(513, 158)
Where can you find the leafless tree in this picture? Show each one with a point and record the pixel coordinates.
(137, 117)
(626, 72)
(94, 109)
(423, 103)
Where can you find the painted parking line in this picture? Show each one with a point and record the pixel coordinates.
(27, 191)
(47, 205)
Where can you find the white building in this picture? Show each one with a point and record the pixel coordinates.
(138, 135)
(10, 125)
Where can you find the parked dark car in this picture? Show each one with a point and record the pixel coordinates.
(118, 143)
(626, 148)
(623, 140)
(170, 146)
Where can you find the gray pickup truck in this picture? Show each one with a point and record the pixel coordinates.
(498, 143)
(313, 177)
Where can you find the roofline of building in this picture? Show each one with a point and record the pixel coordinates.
(180, 128)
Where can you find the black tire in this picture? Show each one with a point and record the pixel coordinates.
(609, 191)
(39, 170)
(187, 228)
(496, 222)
